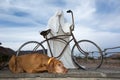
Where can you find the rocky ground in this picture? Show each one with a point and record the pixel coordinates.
(111, 64)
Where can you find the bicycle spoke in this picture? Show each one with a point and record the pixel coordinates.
(90, 56)
(31, 47)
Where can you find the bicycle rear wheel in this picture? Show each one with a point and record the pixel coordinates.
(87, 55)
(31, 47)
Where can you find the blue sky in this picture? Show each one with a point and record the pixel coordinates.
(96, 20)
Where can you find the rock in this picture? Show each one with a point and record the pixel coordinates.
(5, 54)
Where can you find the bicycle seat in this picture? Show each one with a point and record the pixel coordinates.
(45, 33)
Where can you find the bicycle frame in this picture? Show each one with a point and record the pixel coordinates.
(67, 42)
(58, 38)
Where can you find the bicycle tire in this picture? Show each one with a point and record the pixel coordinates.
(31, 47)
(92, 61)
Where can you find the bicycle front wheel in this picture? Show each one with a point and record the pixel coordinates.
(31, 47)
(87, 55)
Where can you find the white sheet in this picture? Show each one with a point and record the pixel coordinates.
(59, 27)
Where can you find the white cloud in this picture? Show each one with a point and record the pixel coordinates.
(14, 37)
(103, 39)
(109, 22)
(90, 24)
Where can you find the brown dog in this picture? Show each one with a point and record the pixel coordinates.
(33, 63)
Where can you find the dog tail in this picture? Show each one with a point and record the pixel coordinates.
(13, 64)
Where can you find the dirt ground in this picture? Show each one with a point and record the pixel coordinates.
(111, 63)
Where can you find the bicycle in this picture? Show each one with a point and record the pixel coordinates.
(85, 53)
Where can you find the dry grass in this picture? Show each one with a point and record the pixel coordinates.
(111, 63)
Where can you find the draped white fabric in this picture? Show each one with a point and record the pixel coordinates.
(58, 26)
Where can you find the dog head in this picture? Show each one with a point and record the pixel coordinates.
(56, 66)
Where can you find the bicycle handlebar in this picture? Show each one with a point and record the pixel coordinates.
(71, 28)
(69, 11)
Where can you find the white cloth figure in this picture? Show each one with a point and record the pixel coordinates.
(58, 26)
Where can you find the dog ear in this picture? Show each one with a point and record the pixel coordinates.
(51, 67)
